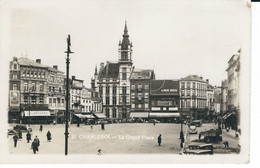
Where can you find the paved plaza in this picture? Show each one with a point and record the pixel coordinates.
(137, 138)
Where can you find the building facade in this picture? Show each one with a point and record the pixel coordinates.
(113, 81)
(193, 95)
(164, 99)
(140, 92)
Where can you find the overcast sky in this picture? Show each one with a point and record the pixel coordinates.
(176, 38)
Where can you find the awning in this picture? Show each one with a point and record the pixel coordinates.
(100, 115)
(84, 116)
(139, 114)
(164, 115)
(36, 113)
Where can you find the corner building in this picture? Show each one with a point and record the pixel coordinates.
(113, 81)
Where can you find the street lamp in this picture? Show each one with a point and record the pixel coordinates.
(67, 94)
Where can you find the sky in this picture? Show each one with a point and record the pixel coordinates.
(176, 38)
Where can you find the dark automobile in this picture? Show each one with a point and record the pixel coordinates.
(199, 149)
(198, 123)
(193, 129)
(22, 128)
(153, 121)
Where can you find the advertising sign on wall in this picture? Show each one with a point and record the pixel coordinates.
(14, 98)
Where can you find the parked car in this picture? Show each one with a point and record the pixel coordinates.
(138, 120)
(12, 132)
(198, 123)
(22, 128)
(199, 149)
(193, 129)
(153, 121)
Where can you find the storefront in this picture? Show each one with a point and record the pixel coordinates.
(164, 96)
(37, 117)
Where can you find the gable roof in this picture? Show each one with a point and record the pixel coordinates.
(111, 70)
(28, 62)
(142, 74)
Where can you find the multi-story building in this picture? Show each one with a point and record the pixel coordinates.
(223, 100)
(164, 98)
(86, 100)
(140, 92)
(210, 101)
(233, 73)
(217, 100)
(113, 81)
(193, 95)
(56, 93)
(33, 90)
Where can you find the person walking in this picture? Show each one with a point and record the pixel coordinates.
(48, 136)
(35, 146)
(15, 138)
(20, 134)
(160, 139)
(28, 137)
(37, 141)
(41, 128)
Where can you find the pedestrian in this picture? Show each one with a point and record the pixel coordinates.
(160, 139)
(20, 134)
(48, 136)
(99, 152)
(15, 138)
(37, 141)
(35, 146)
(28, 137)
(103, 126)
(154, 123)
(91, 126)
(199, 135)
(41, 128)
(226, 144)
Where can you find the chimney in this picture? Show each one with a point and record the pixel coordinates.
(38, 61)
(73, 77)
(207, 80)
(55, 67)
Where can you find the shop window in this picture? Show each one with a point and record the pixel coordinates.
(107, 112)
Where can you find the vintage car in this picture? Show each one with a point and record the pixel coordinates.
(153, 121)
(198, 123)
(22, 128)
(12, 132)
(199, 149)
(193, 129)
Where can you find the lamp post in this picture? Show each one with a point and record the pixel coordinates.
(181, 132)
(67, 94)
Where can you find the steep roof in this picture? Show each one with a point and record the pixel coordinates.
(193, 78)
(28, 62)
(111, 70)
(142, 74)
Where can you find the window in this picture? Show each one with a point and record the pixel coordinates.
(146, 105)
(33, 86)
(60, 90)
(124, 99)
(188, 85)
(53, 89)
(133, 86)
(193, 103)
(182, 84)
(54, 102)
(43, 75)
(114, 113)
(114, 90)
(33, 100)
(146, 86)
(107, 90)
(50, 89)
(124, 73)
(35, 74)
(114, 100)
(133, 105)
(50, 101)
(31, 74)
(15, 66)
(107, 100)
(62, 100)
(183, 103)
(188, 103)
(26, 86)
(39, 74)
(124, 55)
(194, 85)
(146, 95)
(14, 76)
(58, 100)
(41, 87)
(139, 96)
(101, 90)
(140, 86)
(15, 86)
(123, 112)
(123, 90)
(188, 92)
(23, 74)
(107, 112)
(139, 105)
(182, 93)
(41, 100)
(28, 74)
(25, 99)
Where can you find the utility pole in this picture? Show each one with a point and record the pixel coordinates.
(67, 94)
